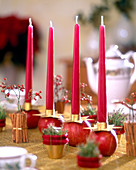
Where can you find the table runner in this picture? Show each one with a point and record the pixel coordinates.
(118, 161)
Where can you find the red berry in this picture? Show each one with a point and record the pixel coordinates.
(3, 87)
(127, 100)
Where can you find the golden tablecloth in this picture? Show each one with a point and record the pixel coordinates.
(119, 160)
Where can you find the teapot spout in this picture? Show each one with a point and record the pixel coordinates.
(91, 74)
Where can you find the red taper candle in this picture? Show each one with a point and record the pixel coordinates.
(75, 107)
(29, 64)
(50, 71)
(102, 99)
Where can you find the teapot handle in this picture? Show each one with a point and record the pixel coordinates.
(133, 77)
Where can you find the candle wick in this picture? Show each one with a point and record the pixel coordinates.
(50, 23)
(30, 21)
(76, 19)
(102, 22)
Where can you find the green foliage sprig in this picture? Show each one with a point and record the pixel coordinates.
(117, 117)
(54, 131)
(89, 110)
(90, 149)
(124, 6)
(3, 113)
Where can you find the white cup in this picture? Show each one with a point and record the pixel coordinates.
(12, 157)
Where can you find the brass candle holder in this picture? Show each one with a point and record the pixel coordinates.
(75, 117)
(101, 126)
(27, 106)
(48, 113)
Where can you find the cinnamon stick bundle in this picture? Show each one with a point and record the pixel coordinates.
(19, 127)
(130, 129)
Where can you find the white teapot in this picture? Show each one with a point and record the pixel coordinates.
(119, 76)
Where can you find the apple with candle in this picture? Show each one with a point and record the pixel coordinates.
(107, 139)
(50, 70)
(29, 65)
(45, 121)
(32, 121)
(102, 98)
(77, 133)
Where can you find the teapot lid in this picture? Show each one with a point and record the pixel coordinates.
(113, 52)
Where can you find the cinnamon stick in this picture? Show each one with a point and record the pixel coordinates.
(134, 131)
(23, 117)
(11, 117)
(23, 133)
(133, 140)
(130, 139)
(17, 127)
(13, 127)
(21, 129)
(127, 137)
(26, 132)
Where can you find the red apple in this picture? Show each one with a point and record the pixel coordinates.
(45, 121)
(76, 132)
(32, 121)
(107, 142)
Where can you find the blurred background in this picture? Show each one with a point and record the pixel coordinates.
(119, 19)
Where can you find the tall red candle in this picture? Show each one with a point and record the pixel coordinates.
(29, 64)
(102, 100)
(50, 71)
(75, 108)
